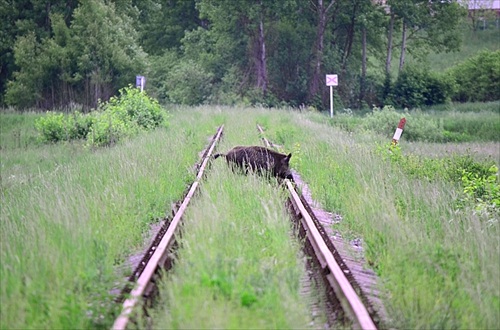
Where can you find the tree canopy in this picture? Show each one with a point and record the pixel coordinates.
(58, 53)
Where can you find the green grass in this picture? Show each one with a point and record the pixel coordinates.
(467, 123)
(438, 263)
(239, 265)
(472, 44)
(71, 216)
(17, 131)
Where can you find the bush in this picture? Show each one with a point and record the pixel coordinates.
(108, 128)
(479, 180)
(478, 78)
(189, 83)
(134, 105)
(122, 116)
(419, 87)
(52, 127)
(418, 128)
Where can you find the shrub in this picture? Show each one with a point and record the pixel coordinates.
(79, 125)
(418, 128)
(478, 78)
(479, 180)
(134, 105)
(57, 126)
(122, 116)
(418, 87)
(189, 83)
(52, 127)
(108, 128)
(482, 190)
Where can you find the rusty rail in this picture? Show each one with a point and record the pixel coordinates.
(161, 251)
(334, 272)
(350, 301)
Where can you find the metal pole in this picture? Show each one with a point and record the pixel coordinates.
(331, 101)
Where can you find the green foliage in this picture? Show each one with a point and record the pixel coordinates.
(479, 180)
(441, 126)
(133, 105)
(109, 127)
(189, 83)
(483, 126)
(122, 116)
(478, 78)
(82, 62)
(158, 79)
(482, 189)
(24, 90)
(52, 127)
(385, 121)
(418, 87)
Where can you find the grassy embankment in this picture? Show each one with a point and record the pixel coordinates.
(69, 215)
(438, 262)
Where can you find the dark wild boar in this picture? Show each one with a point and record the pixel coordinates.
(259, 159)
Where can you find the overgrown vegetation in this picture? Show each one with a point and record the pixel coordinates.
(477, 79)
(479, 179)
(230, 51)
(121, 116)
(70, 215)
(428, 126)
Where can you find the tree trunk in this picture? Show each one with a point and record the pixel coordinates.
(389, 45)
(349, 40)
(261, 66)
(362, 84)
(403, 47)
(319, 46)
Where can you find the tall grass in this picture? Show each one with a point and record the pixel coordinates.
(239, 265)
(439, 265)
(473, 42)
(69, 215)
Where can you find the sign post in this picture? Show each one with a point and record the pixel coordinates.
(331, 80)
(399, 131)
(140, 82)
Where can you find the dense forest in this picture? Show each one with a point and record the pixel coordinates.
(65, 53)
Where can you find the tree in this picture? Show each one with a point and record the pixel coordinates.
(240, 26)
(22, 18)
(424, 25)
(85, 62)
(162, 23)
(322, 10)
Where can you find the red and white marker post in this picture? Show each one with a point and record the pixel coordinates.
(399, 131)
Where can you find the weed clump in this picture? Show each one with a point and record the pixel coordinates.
(124, 115)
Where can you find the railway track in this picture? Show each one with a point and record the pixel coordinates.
(160, 253)
(341, 289)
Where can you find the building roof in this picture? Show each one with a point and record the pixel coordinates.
(482, 4)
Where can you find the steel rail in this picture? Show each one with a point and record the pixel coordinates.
(160, 254)
(346, 294)
(349, 299)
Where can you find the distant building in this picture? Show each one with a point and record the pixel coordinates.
(481, 11)
(493, 5)
(482, 6)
